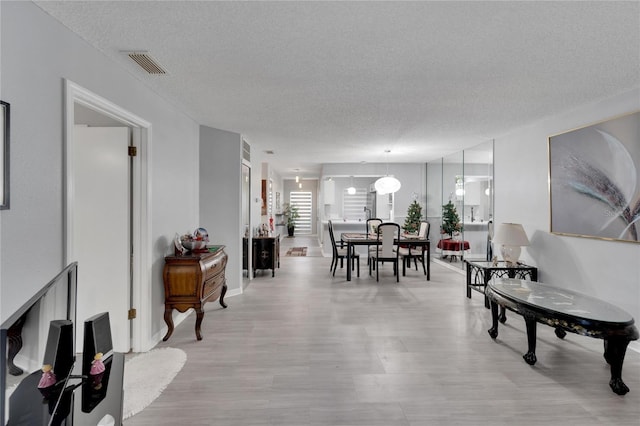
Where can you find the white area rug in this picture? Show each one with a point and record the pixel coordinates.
(147, 375)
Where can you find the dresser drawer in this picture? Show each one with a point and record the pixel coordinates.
(214, 266)
(211, 286)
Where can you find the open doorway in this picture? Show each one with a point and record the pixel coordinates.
(135, 295)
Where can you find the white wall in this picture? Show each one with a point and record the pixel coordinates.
(37, 54)
(604, 269)
(220, 197)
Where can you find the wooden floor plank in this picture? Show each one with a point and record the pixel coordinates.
(305, 348)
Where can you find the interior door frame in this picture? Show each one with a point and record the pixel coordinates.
(141, 295)
(246, 198)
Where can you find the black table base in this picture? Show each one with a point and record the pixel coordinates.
(616, 336)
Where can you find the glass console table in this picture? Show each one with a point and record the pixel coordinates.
(479, 272)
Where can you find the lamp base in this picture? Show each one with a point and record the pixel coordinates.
(510, 254)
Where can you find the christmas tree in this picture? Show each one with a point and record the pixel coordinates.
(450, 219)
(414, 217)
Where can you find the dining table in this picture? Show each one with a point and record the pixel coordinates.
(353, 239)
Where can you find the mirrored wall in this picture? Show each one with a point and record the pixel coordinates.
(460, 204)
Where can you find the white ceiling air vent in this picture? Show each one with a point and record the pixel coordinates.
(146, 62)
(246, 150)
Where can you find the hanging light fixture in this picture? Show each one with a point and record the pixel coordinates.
(387, 184)
(352, 189)
(459, 187)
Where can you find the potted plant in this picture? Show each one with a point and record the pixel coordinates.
(291, 213)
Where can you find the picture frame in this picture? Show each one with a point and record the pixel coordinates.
(594, 180)
(5, 116)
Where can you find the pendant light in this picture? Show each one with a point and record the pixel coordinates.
(352, 189)
(387, 184)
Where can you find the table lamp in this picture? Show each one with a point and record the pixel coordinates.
(511, 237)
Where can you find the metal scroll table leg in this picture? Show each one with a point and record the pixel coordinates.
(486, 277)
(493, 331)
(469, 281)
(530, 356)
(614, 351)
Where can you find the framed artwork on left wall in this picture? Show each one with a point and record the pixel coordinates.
(4, 153)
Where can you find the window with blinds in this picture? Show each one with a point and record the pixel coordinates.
(353, 204)
(304, 202)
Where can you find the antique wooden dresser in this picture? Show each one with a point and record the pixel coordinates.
(191, 280)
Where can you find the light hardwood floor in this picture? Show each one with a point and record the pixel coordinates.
(305, 348)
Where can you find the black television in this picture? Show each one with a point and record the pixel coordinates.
(24, 335)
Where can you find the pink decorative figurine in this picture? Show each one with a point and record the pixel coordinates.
(48, 378)
(97, 366)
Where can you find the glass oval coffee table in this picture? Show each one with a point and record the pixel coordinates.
(568, 311)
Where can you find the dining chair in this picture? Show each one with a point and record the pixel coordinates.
(388, 234)
(409, 251)
(340, 254)
(372, 229)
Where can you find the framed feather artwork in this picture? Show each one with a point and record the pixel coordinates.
(594, 180)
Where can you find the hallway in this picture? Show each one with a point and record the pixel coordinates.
(305, 348)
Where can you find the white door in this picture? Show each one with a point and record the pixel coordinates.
(101, 235)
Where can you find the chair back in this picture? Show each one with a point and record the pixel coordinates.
(423, 232)
(388, 233)
(371, 223)
(333, 240)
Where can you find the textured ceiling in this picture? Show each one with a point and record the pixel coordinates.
(329, 82)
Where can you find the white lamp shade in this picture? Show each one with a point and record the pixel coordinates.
(351, 190)
(511, 237)
(387, 185)
(511, 234)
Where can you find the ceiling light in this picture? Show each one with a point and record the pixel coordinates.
(459, 187)
(352, 189)
(387, 184)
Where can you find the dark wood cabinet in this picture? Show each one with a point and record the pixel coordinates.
(245, 254)
(191, 280)
(266, 253)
